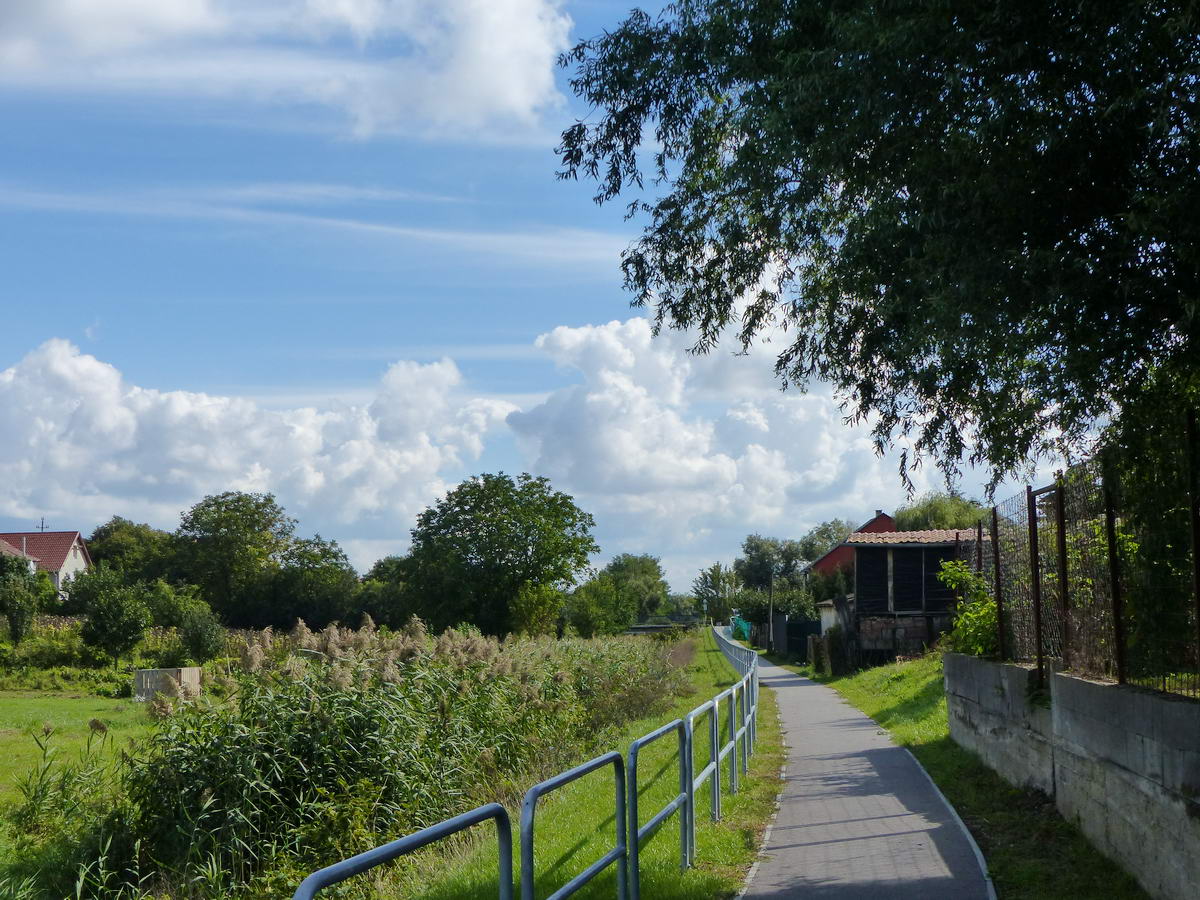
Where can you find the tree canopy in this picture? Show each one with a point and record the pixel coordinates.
(227, 540)
(940, 510)
(641, 581)
(822, 538)
(766, 561)
(493, 537)
(976, 221)
(141, 551)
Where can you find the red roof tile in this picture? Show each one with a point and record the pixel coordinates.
(932, 536)
(49, 548)
(7, 549)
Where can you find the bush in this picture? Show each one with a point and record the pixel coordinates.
(117, 619)
(975, 622)
(202, 635)
(20, 606)
(311, 761)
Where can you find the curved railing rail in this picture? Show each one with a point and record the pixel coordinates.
(356, 865)
(738, 747)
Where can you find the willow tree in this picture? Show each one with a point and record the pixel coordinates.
(976, 220)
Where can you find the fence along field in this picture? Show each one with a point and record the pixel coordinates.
(1101, 568)
(741, 705)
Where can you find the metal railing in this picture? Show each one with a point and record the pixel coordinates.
(356, 865)
(742, 718)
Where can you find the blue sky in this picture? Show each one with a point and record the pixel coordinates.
(318, 248)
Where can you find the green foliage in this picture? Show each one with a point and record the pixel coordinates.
(19, 600)
(314, 581)
(830, 586)
(822, 538)
(537, 609)
(768, 560)
(169, 605)
(201, 634)
(19, 604)
(642, 582)
(117, 619)
(975, 622)
(486, 540)
(140, 551)
(599, 606)
(311, 762)
(940, 510)
(227, 541)
(947, 212)
(714, 589)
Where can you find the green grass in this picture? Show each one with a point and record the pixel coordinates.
(1031, 851)
(575, 825)
(24, 713)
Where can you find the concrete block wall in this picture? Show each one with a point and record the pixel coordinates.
(1123, 762)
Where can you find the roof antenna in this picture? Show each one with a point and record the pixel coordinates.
(42, 527)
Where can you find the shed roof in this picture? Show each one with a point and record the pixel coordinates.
(931, 537)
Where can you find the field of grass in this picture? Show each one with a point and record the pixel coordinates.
(1032, 853)
(575, 826)
(25, 713)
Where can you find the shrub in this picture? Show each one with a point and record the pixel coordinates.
(20, 606)
(117, 619)
(371, 735)
(202, 635)
(975, 621)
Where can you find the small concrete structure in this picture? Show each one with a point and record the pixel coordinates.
(182, 682)
(1123, 762)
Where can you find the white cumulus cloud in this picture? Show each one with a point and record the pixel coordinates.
(682, 455)
(460, 67)
(82, 444)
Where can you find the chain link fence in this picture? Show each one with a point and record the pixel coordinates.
(1099, 570)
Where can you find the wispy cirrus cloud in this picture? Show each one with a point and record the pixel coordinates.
(550, 245)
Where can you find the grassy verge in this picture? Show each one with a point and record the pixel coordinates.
(575, 826)
(1031, 851)
(24, 713)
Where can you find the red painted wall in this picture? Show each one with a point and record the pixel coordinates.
(843, 557)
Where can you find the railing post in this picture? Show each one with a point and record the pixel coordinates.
(714, 750)
(1035, 582)
(690, 789)
(1114, 573)
(996, 585)
(733, 740)
(1064, 591)
(979, 547)
(1193, 444)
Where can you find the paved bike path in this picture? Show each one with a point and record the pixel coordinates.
(858, 817)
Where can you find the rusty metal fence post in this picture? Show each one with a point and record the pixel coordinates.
(1064, 594)
(1193, 443)
(1035, 582)
(1114, 570)
(996, 586)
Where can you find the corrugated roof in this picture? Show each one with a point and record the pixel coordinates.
(49, 548)
(931, 536)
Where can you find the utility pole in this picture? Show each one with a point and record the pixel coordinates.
(771, 610)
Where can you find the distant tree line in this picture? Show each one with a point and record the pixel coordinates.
(501, 553)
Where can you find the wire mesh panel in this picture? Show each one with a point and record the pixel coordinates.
(1091, 650)
(1015, 581)
(1099, 568)
(1152, 532)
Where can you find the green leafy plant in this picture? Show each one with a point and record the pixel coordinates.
(975, 620)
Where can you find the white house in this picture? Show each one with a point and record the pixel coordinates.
(62, 554)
